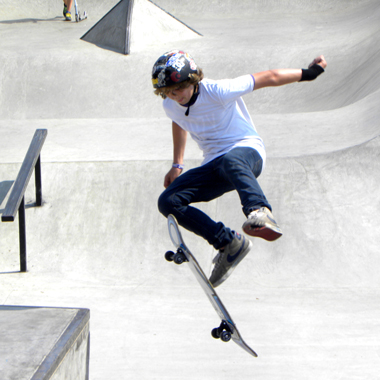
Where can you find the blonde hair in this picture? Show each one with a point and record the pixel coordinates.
(194, 79)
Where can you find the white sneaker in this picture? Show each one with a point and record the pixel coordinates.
(260, 223)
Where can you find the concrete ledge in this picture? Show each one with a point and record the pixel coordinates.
(39, 343)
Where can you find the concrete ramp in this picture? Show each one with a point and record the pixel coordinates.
(132, 23)
(105, 214)
(114, 29)
(44, 343)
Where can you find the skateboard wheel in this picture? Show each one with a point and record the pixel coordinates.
(169, 256)
(225, 336)
(179, 258)
(215, 333)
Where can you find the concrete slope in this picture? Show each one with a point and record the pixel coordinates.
(104, 215)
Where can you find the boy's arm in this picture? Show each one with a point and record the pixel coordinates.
(281, 77)
(179, 144)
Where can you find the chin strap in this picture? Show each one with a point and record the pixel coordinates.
(192, 100)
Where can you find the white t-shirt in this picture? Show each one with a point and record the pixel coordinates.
(219, 120)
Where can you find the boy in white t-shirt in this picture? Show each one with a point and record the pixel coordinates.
(216, 117)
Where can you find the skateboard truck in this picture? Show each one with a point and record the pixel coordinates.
(223, 332)
(178, 257)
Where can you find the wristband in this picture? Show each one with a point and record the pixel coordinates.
(311, 73)
(178, 166)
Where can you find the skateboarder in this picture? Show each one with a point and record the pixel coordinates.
(215, 115)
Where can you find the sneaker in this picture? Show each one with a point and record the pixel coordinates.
(68, 16)
(64, 10)
(228, 258)
(260, 223)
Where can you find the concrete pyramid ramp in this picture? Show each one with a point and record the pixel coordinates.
(132, 24)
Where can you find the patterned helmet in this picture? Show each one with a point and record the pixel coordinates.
(172, 68)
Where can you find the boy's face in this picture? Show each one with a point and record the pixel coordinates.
(181, 95)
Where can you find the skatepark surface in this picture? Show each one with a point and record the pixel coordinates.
(309, 303)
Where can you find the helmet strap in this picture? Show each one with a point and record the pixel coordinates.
(192, 100)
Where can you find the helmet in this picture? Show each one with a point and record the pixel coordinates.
(172, 68)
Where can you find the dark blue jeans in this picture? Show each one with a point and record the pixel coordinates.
(236, 170)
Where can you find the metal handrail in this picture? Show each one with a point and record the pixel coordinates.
(16, 202)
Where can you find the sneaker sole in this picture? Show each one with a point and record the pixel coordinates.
(263, 232)
(234, 265)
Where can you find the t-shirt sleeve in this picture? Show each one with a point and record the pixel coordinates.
(229, 90)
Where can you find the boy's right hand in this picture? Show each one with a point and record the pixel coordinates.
(171, 176)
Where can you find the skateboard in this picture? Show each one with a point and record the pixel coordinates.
(227, 329)
(78, 16)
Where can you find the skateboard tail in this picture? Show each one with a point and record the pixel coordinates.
(240, 342)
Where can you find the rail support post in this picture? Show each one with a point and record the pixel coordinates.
(22, 235)
(38, 181)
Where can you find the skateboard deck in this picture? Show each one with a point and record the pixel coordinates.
(227, 329)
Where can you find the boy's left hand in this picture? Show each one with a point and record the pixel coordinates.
(319, 61)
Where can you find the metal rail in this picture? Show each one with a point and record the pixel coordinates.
(16, 202)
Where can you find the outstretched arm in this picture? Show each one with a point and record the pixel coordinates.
(281, 77)
(179, 144)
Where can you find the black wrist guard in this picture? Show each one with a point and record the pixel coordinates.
(312, 73)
